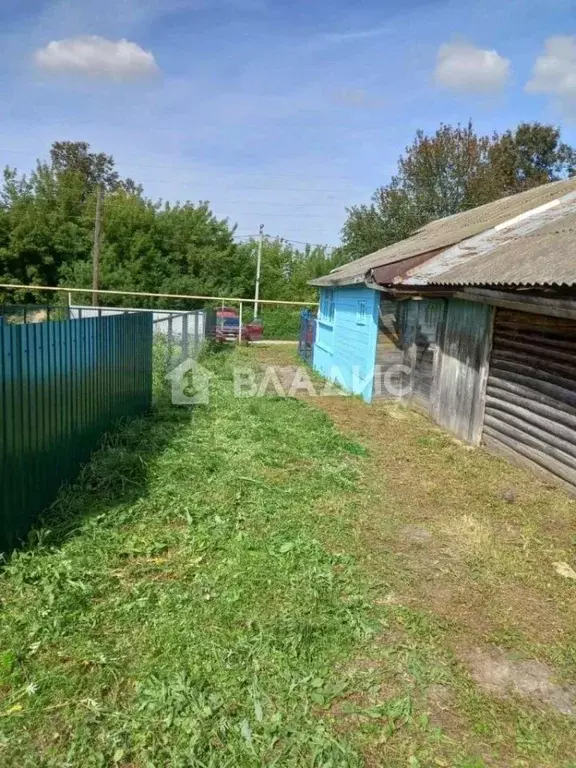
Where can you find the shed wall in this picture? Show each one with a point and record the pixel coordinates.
(345, 347)
(461, 369)
(531, 392)
(406, 348)
(423, 324)
(389, 380)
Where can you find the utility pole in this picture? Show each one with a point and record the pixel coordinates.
(258, 269)
(96, 251)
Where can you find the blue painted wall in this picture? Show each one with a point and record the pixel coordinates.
(345, 348)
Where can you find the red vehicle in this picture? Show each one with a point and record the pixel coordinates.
(226, 327)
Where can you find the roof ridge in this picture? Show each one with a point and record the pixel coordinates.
(449, 231)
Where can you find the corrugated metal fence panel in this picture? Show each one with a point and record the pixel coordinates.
(62, 385)
(531, 392)
(460, 376)
(174, 324)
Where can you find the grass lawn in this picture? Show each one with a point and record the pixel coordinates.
(292, 582)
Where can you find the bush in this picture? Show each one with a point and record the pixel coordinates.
(279, 322)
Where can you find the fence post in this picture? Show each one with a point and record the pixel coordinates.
(240, 325)
(185, 343)
(169, 363)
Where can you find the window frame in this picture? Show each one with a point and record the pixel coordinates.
(327, 307)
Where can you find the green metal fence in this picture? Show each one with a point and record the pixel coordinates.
(62, 385)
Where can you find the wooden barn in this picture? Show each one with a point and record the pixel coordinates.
(473, 320)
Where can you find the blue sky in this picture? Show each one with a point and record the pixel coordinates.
(281, 113)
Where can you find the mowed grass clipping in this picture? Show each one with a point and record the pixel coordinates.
(178, 608)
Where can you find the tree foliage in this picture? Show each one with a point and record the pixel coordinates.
(73, 158)
(451, 171)
(46, 237)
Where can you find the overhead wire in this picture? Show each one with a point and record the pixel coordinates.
(178, 165)
(287, 240)
(239, 172)
(296, 216)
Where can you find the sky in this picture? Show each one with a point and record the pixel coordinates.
(277, 113)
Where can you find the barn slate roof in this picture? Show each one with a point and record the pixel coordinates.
(537, 250)
(442, 234)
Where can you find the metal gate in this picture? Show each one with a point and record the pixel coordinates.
(307, 335)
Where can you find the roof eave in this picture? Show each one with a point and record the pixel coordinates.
(332, 281)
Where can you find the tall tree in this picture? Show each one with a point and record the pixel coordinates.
(533, 154)
(451, 171)
(74, 157)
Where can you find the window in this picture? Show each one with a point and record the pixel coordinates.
(327, 306)
(361, 313)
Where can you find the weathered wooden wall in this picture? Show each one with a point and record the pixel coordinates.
(407, 333)
(506, 378)
(531, 393)
(423, 325)
(461, 368)
(388, 380)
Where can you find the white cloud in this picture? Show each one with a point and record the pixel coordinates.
(555, 71)
(463, 67)
(95, 56)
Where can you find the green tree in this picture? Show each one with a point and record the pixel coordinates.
(531, 155)
(46, 235)
(451, 171)
(74, 158)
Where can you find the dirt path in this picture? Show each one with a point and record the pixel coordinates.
(462, 546)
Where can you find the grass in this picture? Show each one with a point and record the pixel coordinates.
(458, 548)
(270, 581)
(179, 607)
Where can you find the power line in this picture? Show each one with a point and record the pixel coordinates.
(169, 166)
(301, 242)
(263, 189)
(279, 203)
(234, 186)
(288, 240)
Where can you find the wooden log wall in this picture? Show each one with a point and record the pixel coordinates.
(531, 392)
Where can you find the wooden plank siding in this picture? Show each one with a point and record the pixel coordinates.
(405, 351)
(424, 330)
(506, 378)
(389, 381)
(531, 392)
(345, 349)
(461, 370)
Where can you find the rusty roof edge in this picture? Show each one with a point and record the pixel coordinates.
(331, 279)
(484, 243)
